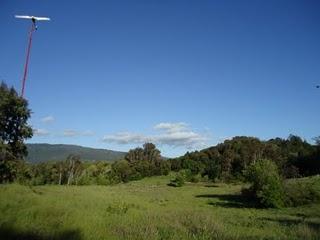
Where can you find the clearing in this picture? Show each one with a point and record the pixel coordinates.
(147, 209)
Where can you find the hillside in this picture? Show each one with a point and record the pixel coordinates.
(40, 152)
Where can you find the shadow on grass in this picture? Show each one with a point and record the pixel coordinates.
(292, 222)
(309, 214)
(230, 200)
(10, 233)
(211, 186)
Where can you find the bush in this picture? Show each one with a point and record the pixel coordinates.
(196, 178)
(186, 174)
(122, 170)
(178, 181)
(164, 167)
(302, 191)
(266, 183)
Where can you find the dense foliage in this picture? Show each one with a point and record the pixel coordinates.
(294, 157)
(14, 129)
(142, 162)
(266, 184)
(302, 191)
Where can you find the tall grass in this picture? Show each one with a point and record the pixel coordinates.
(147, 209)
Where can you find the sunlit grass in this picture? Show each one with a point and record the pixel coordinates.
(147, 209)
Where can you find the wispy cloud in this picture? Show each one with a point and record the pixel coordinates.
(69, 133)
(47, 119)
(171, 127)
(125, 138)
(171, 134)
(88, 133)
(40, 132)
(74, 133)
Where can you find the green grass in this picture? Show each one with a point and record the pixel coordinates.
(147, 209)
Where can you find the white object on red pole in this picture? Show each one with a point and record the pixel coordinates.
(33, 28)
(33, 17)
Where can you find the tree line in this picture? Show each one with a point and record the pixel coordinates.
(227, 161)
(138, 163)
(293, 156)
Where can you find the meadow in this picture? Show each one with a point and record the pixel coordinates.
(147, 209)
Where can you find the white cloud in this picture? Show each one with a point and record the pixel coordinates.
(185, 138)
(47, 119)
(125, 138)
(171, 134)
(171, 127)
(40, 132)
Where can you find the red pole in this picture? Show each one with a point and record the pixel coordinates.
(27, 58)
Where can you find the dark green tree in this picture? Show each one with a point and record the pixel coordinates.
(139, 163)
(151, 153)
(122, 170)
(14, 129)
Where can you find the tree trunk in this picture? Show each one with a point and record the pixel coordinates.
(71, 172)
(60, 177)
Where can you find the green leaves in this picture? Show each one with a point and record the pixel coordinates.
(266, 183)
(14, 114)
(14, 129)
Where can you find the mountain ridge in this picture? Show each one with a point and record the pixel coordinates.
(43, 152)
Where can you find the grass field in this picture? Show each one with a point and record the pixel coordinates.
(147, 209)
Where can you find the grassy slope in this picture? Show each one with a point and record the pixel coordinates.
(147, 209)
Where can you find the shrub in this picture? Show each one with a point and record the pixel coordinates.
(164, 167)
(302, 191)
(266, 183)
(85, 179)
(178, 181)
(122, 170)
(196, 178)
(186, 174)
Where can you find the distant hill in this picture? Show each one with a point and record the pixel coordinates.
(42, 152)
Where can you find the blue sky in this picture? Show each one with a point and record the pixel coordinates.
(184, 74)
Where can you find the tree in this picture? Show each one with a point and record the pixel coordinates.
(14, 129)
(151, 153)
(74, 168)
(122, 170)
(134, 155)
(139, 163)
(266, 183)
(213, 169)
(293, 156)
